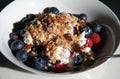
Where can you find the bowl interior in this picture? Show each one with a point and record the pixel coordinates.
(95, 10)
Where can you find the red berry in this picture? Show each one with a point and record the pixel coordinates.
(82, 23)
(59, 67)
(89, 43)
(96, 39)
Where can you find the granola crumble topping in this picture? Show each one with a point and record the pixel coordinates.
(56, 32)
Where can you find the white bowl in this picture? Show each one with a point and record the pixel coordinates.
(93, 8)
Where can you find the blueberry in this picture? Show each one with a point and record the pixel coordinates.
(21, 32)
(24, 20)
(14, 36)
(96, 27)
(77, 60)
(18, 26)
(88, 31)
(54, 10)
(10, 41)
(46, 10)
(16, 45)
(27, 19)
(40, 63)
(51, 10)
(22, 55)
(46, 58)
(30, 61)
(31, 16)
(83, 17)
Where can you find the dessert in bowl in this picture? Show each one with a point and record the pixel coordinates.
(60, 41)
(56, 41)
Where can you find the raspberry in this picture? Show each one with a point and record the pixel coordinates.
(96, 39)
(89, 43)
(59, 67)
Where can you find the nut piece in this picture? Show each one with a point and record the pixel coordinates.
(27, 48)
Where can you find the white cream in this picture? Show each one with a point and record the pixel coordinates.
(71, 26)
(62, 54)
(86, 49)
(28, 38)
(52, 15)
(69, 29)
(82, 39)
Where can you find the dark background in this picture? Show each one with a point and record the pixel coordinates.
(113, 4)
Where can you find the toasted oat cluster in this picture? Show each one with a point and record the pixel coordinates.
(54, 41)
(56, 32)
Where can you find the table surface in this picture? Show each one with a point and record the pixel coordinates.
(8, 68)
